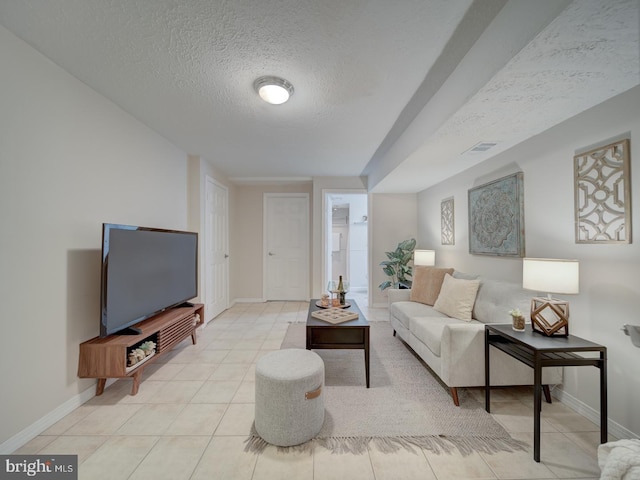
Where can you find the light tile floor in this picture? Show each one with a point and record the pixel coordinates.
(195, 408)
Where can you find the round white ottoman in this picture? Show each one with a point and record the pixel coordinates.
(289, 397)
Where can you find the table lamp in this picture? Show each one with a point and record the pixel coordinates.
(550, 315)
(424, 257)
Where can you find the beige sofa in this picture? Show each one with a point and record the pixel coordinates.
(454, 348)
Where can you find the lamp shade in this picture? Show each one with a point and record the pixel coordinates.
(424, 257)
(550, 275)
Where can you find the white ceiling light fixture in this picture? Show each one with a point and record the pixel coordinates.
(274, 90)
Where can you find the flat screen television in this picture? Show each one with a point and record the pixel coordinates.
(144, 271)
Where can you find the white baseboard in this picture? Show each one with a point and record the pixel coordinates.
(592, 414)
(40, 425)
(248, 300)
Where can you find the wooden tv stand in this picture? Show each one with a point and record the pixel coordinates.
(106, 357)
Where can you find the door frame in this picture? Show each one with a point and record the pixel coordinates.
(265, 252)
(326, 237)
(206, 291)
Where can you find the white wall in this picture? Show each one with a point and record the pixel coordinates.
(609, 274)
(247, 234)
(69, 160)
(358, 245)
(393, 219)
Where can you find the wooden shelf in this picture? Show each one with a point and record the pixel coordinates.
(106, 357)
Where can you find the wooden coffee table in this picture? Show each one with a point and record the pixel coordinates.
(353, 334)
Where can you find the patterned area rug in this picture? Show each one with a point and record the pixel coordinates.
(406, 406)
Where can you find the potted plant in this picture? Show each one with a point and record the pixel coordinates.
(517, 320)
(397, 266)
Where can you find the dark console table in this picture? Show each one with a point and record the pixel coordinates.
(538, 351)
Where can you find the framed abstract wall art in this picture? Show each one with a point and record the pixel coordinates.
(602, 194)
(496, 217)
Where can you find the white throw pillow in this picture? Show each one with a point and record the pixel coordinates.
(457, 297)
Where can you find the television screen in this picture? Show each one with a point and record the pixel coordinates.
(144, 271)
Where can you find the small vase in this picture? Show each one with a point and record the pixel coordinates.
(518, 323)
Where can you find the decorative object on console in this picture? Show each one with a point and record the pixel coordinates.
(603, 194)
(517, 320)
(447, 222)
(549, 315)
(397, 266)
(138, 354)
(424, 257)
(496, 217)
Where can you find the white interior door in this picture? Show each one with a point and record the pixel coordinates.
(286, 246)
(216, 295)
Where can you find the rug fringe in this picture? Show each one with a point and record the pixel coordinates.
(434, 443)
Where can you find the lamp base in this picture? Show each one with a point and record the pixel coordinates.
(549, 316)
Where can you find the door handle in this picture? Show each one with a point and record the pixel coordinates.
(271, 254)
(226, 255)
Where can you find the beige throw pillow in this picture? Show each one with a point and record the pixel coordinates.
(457, 297)
(426, 283)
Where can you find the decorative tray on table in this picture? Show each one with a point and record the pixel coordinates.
(334, 315)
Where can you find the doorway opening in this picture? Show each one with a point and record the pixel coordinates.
(346, 242)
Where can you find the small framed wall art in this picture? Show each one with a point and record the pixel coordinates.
(496, 217)
(447, 231)
(602, 194)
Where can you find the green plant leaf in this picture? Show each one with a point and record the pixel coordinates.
(406, 257)
(397, 266)
(408, 244)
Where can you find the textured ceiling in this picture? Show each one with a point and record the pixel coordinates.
(381, 88)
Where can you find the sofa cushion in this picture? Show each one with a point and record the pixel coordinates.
(457, 297)
(403, 311)
(426, 283)
(429, 330)
(466, 276)
(496, 298)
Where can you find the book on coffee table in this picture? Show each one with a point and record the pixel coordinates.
(334, 315)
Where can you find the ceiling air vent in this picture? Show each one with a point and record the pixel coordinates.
(481, 147)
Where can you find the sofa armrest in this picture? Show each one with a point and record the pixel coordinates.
(462, 353)
(462, 356)
(398, 295)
